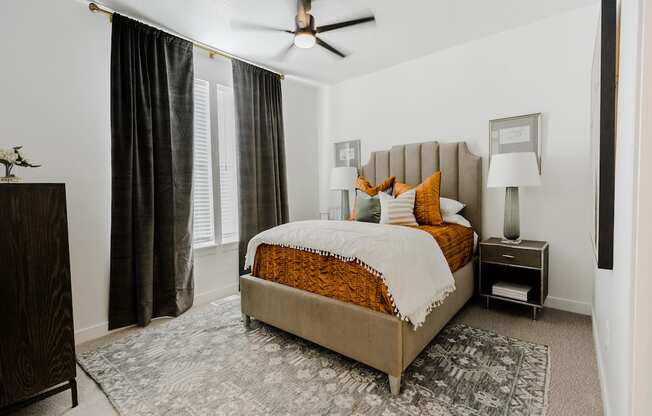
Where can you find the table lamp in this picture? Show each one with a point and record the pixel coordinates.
(511, 171)
(342, 179)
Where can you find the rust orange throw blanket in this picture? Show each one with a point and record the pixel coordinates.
(349, 281)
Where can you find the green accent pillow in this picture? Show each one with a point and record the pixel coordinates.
(367, 208)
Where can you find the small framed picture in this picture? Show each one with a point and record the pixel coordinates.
(348, 154)
(516, 134)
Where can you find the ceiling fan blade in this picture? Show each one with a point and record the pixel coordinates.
(326, 28)
(255, 27)
(329, 48)
(284, 53)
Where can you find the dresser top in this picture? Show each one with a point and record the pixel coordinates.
(525, 244)
(30, 183)
(6, 185)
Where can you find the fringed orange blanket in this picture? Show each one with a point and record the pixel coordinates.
(349, 281)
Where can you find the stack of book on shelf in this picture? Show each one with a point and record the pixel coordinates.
(511, 290)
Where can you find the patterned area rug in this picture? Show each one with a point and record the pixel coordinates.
(205, 363)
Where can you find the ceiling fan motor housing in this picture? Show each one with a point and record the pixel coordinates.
(305, 38)
(305, 24)
(303, 13)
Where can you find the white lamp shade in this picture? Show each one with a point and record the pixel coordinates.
(513, 169)
(343, 178)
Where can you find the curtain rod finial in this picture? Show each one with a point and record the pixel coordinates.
(93, 7)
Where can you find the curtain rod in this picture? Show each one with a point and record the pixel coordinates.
(93, 7)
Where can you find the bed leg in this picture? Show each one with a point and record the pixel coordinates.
(247, 321)
(394, 384)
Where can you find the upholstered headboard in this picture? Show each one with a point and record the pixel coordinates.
(461, 170)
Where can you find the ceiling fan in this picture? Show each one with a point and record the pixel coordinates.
(306, 33)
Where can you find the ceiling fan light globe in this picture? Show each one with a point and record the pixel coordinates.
(304, 40)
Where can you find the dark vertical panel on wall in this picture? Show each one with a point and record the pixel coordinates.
(607, 167)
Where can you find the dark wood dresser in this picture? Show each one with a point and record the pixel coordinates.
(37, 345)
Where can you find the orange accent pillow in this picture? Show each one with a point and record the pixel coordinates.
(400, 187)
(364, 185)
(426, 205)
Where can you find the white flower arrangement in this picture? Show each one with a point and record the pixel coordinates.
(14, 157)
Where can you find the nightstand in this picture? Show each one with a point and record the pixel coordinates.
(522, 264)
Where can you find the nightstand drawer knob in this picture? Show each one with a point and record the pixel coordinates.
(508, 256)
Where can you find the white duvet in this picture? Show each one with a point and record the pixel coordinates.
(408, 260)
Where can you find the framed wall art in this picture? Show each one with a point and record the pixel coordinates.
(516, 134)
(348, 154)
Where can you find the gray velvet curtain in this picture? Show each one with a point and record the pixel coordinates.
(152, 162)
(262, 187)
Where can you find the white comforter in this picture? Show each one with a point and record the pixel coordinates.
(408, 260)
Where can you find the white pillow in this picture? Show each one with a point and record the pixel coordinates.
(399, 210)
(450, 206)
(456, 219)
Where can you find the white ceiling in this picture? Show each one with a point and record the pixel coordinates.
(404, 30)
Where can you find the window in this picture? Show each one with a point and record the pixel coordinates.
(215, 184)
(202, 184)
(228, 175)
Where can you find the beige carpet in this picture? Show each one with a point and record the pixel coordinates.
(574, 386)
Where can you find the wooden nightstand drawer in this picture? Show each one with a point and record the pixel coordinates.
(511, 255)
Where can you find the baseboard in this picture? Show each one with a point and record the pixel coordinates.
(99, 330)
(601, 375)
(569, 305)
(212, 295)
(94, 332)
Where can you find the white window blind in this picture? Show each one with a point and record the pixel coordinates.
(204, 217)
(228, 172)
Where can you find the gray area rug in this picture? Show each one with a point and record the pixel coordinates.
(205, 363)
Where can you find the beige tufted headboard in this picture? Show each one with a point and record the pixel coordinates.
(461, 170)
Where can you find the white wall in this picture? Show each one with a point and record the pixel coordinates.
(301, 113)
(642, 331)
(614, 295)
(451, 95)
(54, 100)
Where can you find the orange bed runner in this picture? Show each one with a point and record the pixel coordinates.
(349, 281)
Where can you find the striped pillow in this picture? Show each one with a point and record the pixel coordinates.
(399, 210)
(427, 208)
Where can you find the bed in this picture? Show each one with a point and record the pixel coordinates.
(373, 335)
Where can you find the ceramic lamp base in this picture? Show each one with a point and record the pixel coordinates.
(345, 212)
(511, 226)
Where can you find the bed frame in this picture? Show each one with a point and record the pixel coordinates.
(377, 339)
